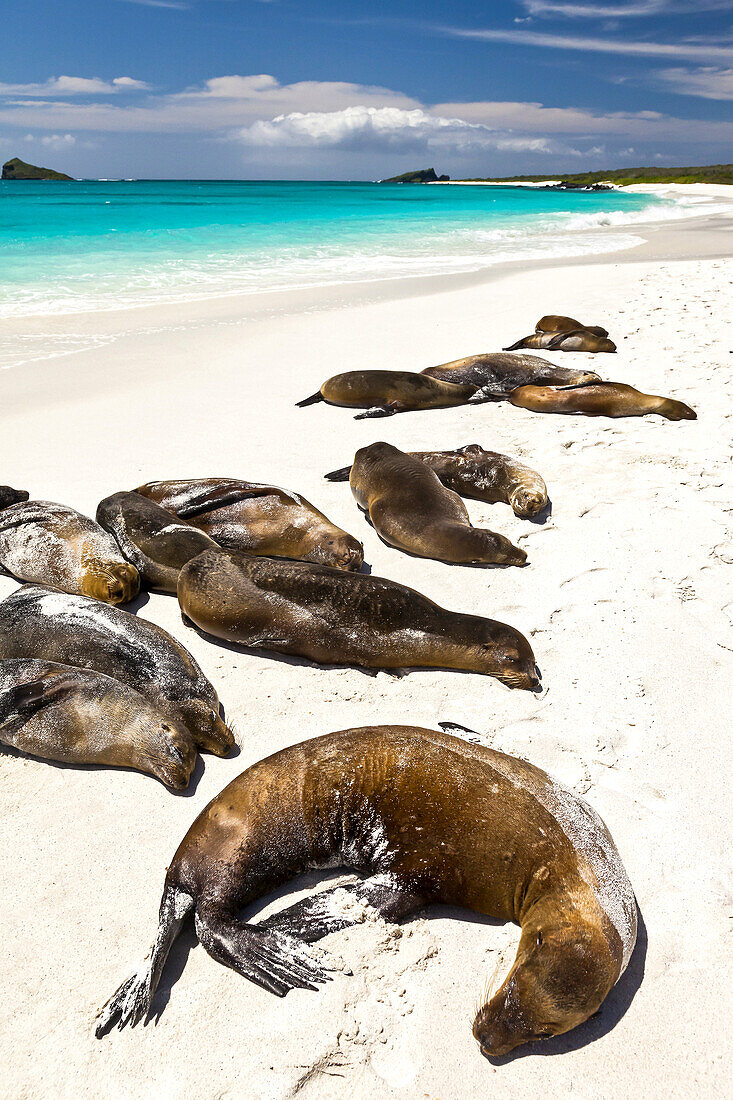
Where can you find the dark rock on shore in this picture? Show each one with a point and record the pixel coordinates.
(17, 169)
(423, 175)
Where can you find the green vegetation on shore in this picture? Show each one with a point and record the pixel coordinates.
(17, 169)
(620, 177)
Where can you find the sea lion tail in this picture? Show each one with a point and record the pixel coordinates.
(131, 1003)
(312, 400)
(516, 346)
(339, 475)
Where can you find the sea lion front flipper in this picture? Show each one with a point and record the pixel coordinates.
(275, 961)
(22, 701)
(457, 728)
(517, 345)
(317, 916)
(377, 410)
(339, 475)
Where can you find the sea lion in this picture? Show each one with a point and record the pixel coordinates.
(498, 373)
(385, 392)
(600, 399)
(579, 339)
(332, 617)
(428, 818)
(553, 322)
(9, 496)
(257, 519)
(155, 540)
(80, 717)
(37, 621)
(52, 544)
(409, 508)
(482, 475)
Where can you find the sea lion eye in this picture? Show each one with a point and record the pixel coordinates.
(539, 939)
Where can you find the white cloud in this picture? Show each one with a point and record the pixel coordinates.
(621, 11)
(75, 85)
(709, 83)
(628, 47)
(385, 128)
(53, 141)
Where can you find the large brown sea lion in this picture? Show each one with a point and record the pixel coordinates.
(52, 544)
(499, 372)
(333, 617)
(580, 339)
(411, 509)
(155, 540)
(600, 399)
(482, 475)
(9, 496)
(37, 621)
(553, 322)
(384, 392)
(257, 519)
(80, 717)
(427, 818)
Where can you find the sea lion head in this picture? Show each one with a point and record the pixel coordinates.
(168, 751)
(676, 410)
(559, 979)
(208, 730)
(109, 581)
(338, 549)
(603, 344)
(10, 496)
(527, 501)
(508, 656)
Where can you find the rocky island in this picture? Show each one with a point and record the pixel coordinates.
(17, 169)
(423, 175)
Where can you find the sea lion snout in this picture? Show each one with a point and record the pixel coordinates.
(177, 757)
(345, 553)
(112, 583)
(209, 731)
(527, 502)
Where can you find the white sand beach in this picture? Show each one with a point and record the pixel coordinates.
(626, 599)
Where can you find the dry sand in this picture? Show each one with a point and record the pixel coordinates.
(624, 599)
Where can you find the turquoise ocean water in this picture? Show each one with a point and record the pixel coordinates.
(70, 247)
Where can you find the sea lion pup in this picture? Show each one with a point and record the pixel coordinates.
(332, 617)
(409, 508)
(482, 475)
(155, 540)
(52, 544)
(10, 496)
(257, 519)
(80, 717)
(553, 322)
(427, 818)
(600, 399)
(385, 392)
(37, 621)
(498, 373)
(579, 339)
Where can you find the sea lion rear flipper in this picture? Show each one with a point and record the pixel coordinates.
(557, 341)
(312, 400)
(277, 962)
(377, 410)
(317, 916)
(339, 475)
(517, 345)
(458, 729)
(22, 701)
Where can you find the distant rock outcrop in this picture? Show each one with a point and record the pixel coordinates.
(17, 169)
(424, 175)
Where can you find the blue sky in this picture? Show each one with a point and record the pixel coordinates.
(347, 90)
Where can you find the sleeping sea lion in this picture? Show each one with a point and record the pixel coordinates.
(37, 621)
(332, 617)
(600, 399)
(409, 508)
(385, 392)
(498, 373)
(80, 717)
(553, 322)
(155, 540)
(52, 544)
(427, 818)
(10, 496)
(482, 475)
(579, 339)
(257, 519)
